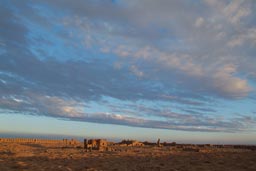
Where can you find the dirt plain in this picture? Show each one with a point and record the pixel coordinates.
(52, 157)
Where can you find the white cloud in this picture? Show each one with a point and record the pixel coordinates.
(122, 51)
(229, 85)
(235, 11)
(247, 37)
(134, 69)
(145, 52)
(56, 106)
(199, 22)
(237, 41)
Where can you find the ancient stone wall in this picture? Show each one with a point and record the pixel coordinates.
(67, 142)
(95, 144)
(130, 143)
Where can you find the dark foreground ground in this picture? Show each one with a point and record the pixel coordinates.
(36, 157)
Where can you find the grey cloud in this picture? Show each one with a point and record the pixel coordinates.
(194, 112)
(72, 110)
(201, 109)
(192, 121)
(67, 108)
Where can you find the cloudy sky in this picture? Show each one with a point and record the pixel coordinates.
(140, 68)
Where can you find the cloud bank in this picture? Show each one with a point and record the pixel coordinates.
(168, 64)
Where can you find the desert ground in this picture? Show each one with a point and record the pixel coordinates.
(53, 157)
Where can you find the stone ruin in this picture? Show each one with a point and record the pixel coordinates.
(95, 144)
(130, 143)
(158, 143)
(63, 142)
(72, 142)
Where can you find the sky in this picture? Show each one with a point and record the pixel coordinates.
(177, 70)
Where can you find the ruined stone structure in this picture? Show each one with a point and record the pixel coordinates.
(95, 144)
(158, 143)
(64, 142)
(130, 143)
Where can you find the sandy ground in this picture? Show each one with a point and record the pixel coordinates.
(36, 157)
